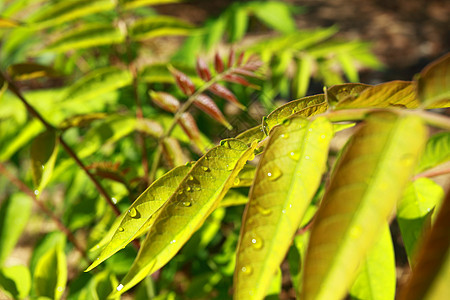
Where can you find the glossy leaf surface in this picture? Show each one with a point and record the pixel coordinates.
(140, 211)
(286, 180)
(194, 200)
(434, 82)
(370, 175)
(376, 277)
(43, 152)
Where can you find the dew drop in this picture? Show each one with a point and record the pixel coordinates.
(43, 167)
(114, 200)
(306, 157)
(263, 211)
(323, 136)
(173, 241)
(284, 135)
(191, 178)
(60, 289)
(36, 192)
(247, 270)
(188, 189)
(294, 155)
(206, 169)
(236, 181)
(133, 212)
(186, 203)
(274, 174)
(119, 287)
(121, 229)
(310, 129)
(256, 241)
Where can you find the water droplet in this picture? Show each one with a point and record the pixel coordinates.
(306, 157)
(197, 188)
(256, 241)
(284, 135)
(294, 155)
(288, 121)
(180, 192)
(191, 178)
(188, 189)
(114, 200)
(43, 167)
(119, 287)
(310, 129)
(60, 289)
(121, 229)
(206, 169)
(36, 192)
(206, 157)
(132, 212)
(236, 181)
(247, 270)
(186, 203)
(323, 136)
(173, 241)
(283, 211)
(274, 174)
(262, 210)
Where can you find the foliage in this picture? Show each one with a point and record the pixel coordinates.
(123, 161)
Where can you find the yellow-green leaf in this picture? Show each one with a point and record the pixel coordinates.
(64, 11)
(194, 200)
(433, 84)
(341, 92)
(431, 275)
(254, 133)
(246, 176)
(155, 26)
(370, 176)
(26, 71)
(436, 152)
(286, 180)
(131, 4)
(8, 23)
(376, 277)
(233, 198)
(50, 274)
(396, 93)
(304, 107)
(141, 211)
(16, 281)
(88, 36)
(44, 150)
(302, 76)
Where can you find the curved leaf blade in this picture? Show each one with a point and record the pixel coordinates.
(433, 84)
(431, 275)
(376, 165)
(436, 152)
(141, 211)
(253, 134)
(194, 200)
(341, 92)
(286, 180)
(155, 26)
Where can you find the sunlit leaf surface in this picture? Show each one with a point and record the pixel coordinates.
(286, 180)
(370, 176)
(434, 83)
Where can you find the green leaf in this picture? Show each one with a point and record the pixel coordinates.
(96, 83)
(26, 71)
(14, 214)
(88, 36)
(50, 275)
(376, 278)
(390, 94)
(132, 4)
(238, 18)
(156, 26)
(101, 285)
(43, 152)
(8, 23)
(302, 76)
(252, 134)
(414, 212)
(138, 215)
(233, 198)
(287, 178)
(81, 120)
(436, 152)
(433, 84)
(194, 200)
(65, 11)
(16, 281)
(275, 14)
(348, 66)
(370, 175)
(431, 275)
(304, 107)
(48, 242)
(341, 92)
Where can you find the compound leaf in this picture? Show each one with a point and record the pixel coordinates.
(286, 180)
(141, 211)
(194, 200)
(370, 175)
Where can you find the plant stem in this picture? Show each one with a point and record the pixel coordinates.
(69, 151)
(24, 188)
(432, 173)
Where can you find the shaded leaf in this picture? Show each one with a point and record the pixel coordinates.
(287, 178)
(414, 212)
(26, 71)
(183, 81)
(430, 277)
(16, 281)
(436, 152)
(276, 15)
(165, 100)
(155, 26)
(14, 214)
(87, 36)
(393, 93)
(376, 277)
(44, 245)
(226, 94)
(341, 92)
(140, 212)
(194, 200)
(371, 175)
(81, 120)
(43, 152)
(50, 274)
(60, 12)
(433, 84)
(209, 107)
(304, 107)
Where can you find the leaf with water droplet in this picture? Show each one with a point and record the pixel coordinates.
(281, 193)
(145, 205)
(44, 150)
(175, 221)
(371, 177)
